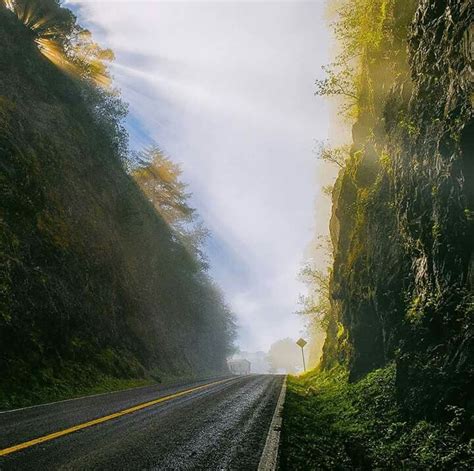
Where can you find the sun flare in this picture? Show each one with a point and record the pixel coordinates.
(62, 42)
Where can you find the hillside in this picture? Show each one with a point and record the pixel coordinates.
(400, 332)
(95, 286)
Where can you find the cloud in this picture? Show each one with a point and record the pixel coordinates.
(226, 89)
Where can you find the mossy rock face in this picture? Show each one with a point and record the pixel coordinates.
(402, 226)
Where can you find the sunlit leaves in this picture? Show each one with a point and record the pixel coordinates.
(160, 180)
(316, 304)
(359, 29)
(339, 81)
(333, 155)
(89, 57)
(62, 41)
(360, 26)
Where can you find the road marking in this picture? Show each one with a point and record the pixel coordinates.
(100, 420)
(269, 458)
(46, 404)
(87, 396)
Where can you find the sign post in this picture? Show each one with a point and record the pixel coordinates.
(301, 343)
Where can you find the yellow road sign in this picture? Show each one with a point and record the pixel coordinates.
(301, 342)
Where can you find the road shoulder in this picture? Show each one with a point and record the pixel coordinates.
(269, 459)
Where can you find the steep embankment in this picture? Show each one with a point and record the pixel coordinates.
(93, 282)
(403, 237)
(402, 278)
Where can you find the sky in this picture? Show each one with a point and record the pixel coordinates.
(227, 90)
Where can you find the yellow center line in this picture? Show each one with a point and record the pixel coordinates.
(100, 420)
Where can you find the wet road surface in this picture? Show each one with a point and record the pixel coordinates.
(208, 425)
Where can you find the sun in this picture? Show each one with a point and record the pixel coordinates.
(59, 38)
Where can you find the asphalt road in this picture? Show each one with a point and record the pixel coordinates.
(222, 425)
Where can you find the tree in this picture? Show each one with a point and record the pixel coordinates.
(62, 40)
(333, 155)
(90, 59)
(160, 180)
(327, 190)
(315, 305)
(339, 81)
(359, 28)
(98, 297)
(45, 17)
(285, 355)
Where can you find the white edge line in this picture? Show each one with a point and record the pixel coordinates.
(171, 385)
(76, 398)
(269, 459)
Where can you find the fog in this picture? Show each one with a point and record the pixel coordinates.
(227, 90)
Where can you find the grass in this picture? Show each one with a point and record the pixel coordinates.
(72, 381)
(329, 423)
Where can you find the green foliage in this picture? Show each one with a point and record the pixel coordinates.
(44, 17)
(95, 287)
(112, 370)
(65, 43)
(401, 281)
(400, 225)
(329, 423)
(160, 180)
(359, 29)
(367, 34)
(333, 155)
(339, 81)
(360, 25)
(327, 190)
(316, 304)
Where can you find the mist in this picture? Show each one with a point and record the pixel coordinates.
(227, 90)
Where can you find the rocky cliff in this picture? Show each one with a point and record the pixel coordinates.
(403, 211)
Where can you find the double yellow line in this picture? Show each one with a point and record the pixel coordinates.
(100, 420)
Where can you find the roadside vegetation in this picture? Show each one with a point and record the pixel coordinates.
(74, 381)
(395, 384)
(103, 277)
(331, 423)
